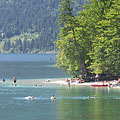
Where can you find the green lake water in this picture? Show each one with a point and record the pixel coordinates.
(70, 103)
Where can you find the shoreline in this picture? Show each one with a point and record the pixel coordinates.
(35, 82)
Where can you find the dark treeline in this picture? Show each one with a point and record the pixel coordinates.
(29, 25)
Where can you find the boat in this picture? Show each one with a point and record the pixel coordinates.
(97, 85)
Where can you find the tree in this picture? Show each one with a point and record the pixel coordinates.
(105, 53)
(7, 45)
(69, 55)
(89, 42)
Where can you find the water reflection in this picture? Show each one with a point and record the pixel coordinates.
(70, 103)
(78, 106)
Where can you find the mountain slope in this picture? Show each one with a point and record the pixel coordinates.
(29, 25)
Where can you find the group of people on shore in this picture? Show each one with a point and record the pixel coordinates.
(78, 80)
(111, 83)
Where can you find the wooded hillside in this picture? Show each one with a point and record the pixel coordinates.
(29, 25)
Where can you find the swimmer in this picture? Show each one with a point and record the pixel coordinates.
(29, 97)
(40, 85)
(52, 97)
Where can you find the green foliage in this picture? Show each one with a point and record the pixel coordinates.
(89, 42)
(71, 55)
(22, 43)
(105, 54)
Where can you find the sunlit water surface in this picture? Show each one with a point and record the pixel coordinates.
(70, 103)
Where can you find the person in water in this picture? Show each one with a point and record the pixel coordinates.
(29, 97)
(3, 80)
(14, 80)
(68, 83)
(52, 97)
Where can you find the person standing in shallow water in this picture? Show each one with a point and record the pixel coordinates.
(3, 80)
(68, 83)
(14, 80)
(96, 78)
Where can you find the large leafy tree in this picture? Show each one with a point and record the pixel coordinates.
(97, 12)
(69, 55)
(105, 54)
(90, 42)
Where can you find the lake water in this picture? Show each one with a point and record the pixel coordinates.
(70, 103)
(30, 66)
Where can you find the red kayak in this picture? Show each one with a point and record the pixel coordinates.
(99, 85)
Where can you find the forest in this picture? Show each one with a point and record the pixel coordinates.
(30, 26)
(89, 42)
